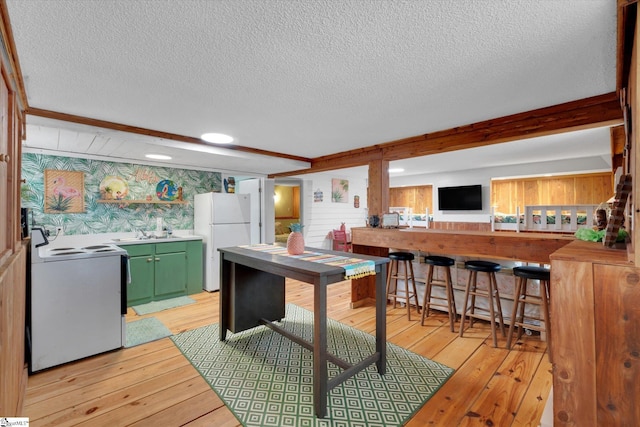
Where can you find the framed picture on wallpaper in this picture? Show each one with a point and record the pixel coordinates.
(63, 191)
(339, 190)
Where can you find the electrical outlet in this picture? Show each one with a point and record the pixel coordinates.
(59, 231)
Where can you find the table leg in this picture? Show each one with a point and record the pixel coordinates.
(320, 373)
(381, 319)
(225, 286)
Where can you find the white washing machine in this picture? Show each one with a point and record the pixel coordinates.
(78, 301)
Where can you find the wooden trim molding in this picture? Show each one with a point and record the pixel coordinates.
(150, 132)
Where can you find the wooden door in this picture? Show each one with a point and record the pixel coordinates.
(6, 208)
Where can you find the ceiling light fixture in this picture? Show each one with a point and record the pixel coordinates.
(217, 138)
(157, 156)
(395, 170)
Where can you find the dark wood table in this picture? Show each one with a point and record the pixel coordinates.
(252, 293)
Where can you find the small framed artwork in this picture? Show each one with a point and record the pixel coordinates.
(63, 191)
(390, 220)
(339, 190)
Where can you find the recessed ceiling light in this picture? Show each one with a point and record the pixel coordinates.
(395, 170)
(217, 138)
(158, 156)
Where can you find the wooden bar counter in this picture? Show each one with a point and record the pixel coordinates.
(595, 312)
(529, 247)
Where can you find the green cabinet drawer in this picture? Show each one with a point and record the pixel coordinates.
(138, 250)
(171, 247)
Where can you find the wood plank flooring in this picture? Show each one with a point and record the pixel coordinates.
(154, 385)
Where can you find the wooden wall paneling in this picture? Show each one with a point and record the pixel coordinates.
(523, 193)
(13, 175)
(618, 140)
(401, 197)
(585, 190)
(395, 196)
(532, 193)
(519, 197)
(417, 197)
(496, 191)
(603, 187)
(15, 121)
(497, 195)
(411, 199)
(574, 387)
(12, 322)
(634, 165)
(6, 207)
(561, 190)
(569, 190)
(13, 372)
(617, 321)
(424, 198)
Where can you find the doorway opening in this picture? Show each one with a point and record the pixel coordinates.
(287, 201)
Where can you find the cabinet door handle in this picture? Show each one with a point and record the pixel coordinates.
(157, 259)
(149, 259)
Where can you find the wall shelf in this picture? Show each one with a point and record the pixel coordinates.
(143, 201)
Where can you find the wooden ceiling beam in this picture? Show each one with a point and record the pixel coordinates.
(596, 111)
(153, 133)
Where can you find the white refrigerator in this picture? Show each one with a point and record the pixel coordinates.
(223, 220)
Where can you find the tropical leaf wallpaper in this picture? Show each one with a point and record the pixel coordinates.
(110, 218)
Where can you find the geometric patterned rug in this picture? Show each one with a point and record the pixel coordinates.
(266, 379)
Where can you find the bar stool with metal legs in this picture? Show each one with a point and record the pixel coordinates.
(492, 295)
(523, 297)
(404, 258)
(445, 263)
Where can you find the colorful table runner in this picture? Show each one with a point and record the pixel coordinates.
(354, 268)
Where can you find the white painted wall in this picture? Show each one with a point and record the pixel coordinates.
(322, 217)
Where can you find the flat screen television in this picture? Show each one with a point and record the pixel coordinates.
(461, 198)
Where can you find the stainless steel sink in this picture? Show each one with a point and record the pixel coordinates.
(127, 239)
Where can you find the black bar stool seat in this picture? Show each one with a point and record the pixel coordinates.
(445, 263)
(406, 259)
(492, 295)
(522, 296)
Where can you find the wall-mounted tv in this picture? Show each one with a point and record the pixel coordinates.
(461, 198)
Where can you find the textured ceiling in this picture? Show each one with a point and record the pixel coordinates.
(314, 77)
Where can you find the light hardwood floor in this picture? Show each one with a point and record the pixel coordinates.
(153, 384)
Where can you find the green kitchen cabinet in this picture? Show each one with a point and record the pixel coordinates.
(163, 270)
(194, 266)
(141, 268)
(170, 264)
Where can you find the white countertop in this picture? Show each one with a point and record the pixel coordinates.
(120, 239)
